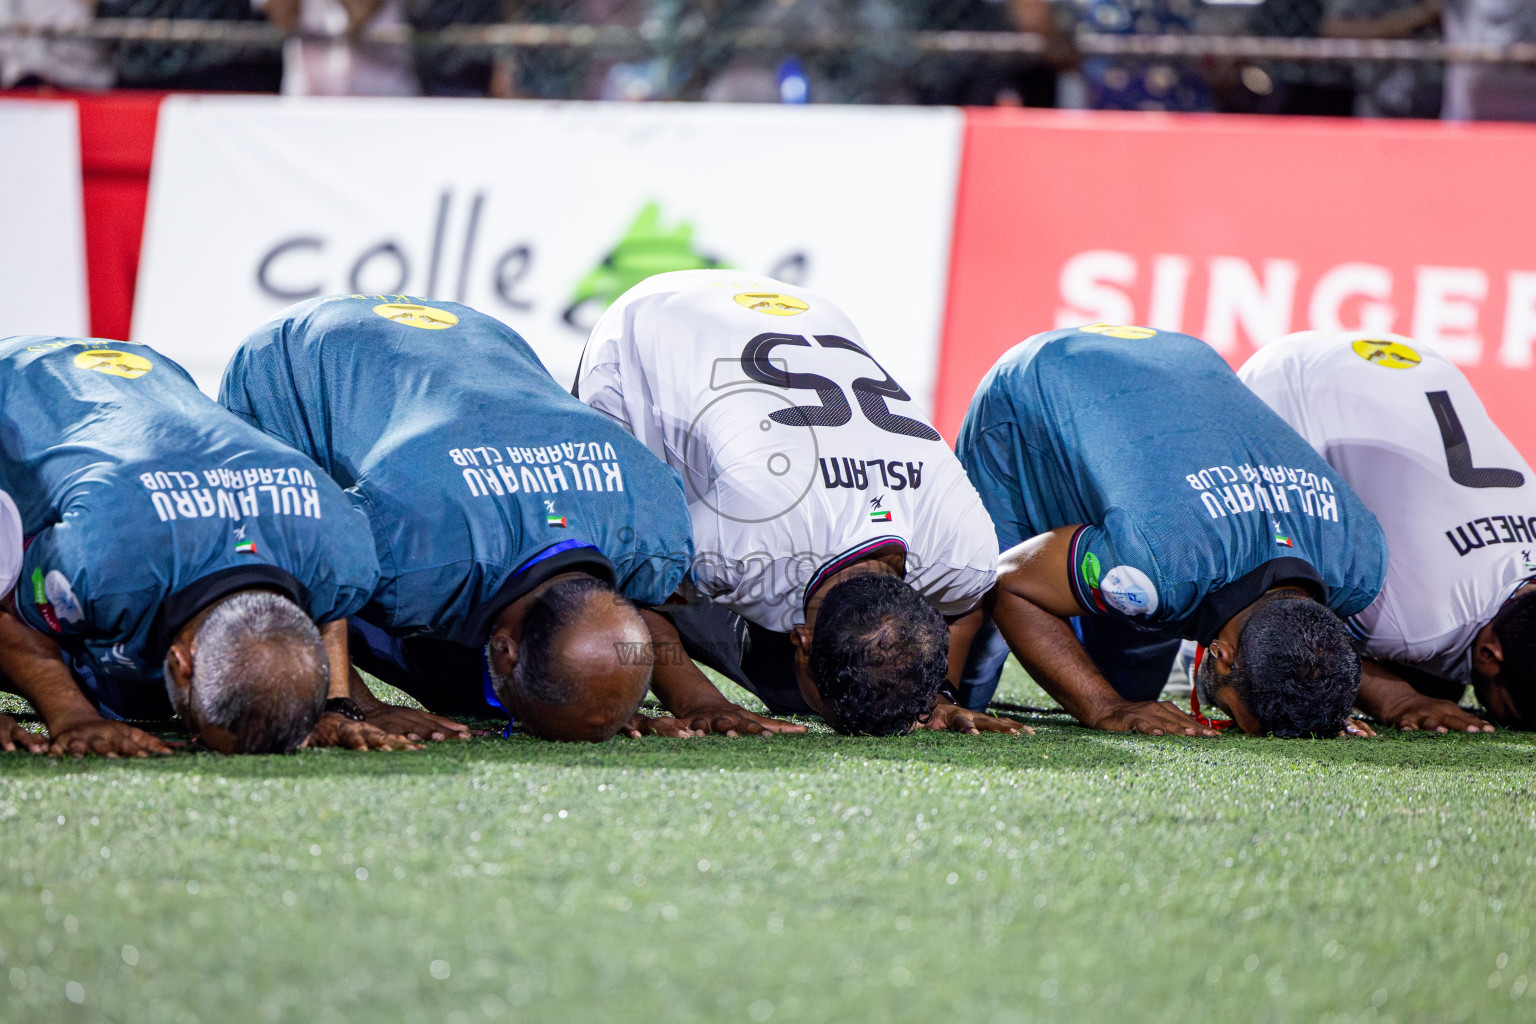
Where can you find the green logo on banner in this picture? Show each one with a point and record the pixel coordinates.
(646, 249)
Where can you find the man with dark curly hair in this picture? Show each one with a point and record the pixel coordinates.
(878, 633)
(1146, 496)
(1402, 424)
(836, 531)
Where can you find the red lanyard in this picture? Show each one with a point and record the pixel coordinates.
(1194, 698)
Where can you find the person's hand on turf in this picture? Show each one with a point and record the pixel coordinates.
(14, 737)
(1151, 718)
(1354, 727)
(335, 730)
(418, 726)
(1433, 715)
(951, 717)
(644, 725)
(107, 739)
(726, 719)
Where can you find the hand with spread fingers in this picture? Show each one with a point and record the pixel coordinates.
(106, 738)
(661, 725)
(1392, 701)
(1150, 718)
(727, 719)
(13, 737)
(1430, 714)
(336, 730)
(419, 726)
(951, 717)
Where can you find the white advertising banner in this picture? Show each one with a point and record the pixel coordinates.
(42, 224)
(540, 213)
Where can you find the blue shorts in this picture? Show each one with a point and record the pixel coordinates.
(1134, 661)
(444, 677)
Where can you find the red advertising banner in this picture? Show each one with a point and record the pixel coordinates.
(1242, 229)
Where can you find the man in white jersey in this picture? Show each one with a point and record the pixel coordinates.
(836, 532)
(13, 735)
(1457, 503)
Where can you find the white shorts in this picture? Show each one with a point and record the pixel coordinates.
(10, 543)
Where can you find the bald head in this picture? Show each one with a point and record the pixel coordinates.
(253, 675)
(579, 668)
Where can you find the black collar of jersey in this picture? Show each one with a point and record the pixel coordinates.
(857, 553)
(584, 559)
(178, 609)
(1224, 602)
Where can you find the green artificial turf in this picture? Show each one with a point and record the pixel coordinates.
(1072, 876)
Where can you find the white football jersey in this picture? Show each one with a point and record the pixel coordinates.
(798, 452)
(1454, 497)
(10, 543)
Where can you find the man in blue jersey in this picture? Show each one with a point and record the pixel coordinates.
(176, 559)
(517, 530)
(1146, 494)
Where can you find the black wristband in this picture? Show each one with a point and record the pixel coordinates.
(346, 707)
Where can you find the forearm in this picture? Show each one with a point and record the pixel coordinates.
(1382, 691)
(346, 681)
(962, 633)
(358, 690)
(35, 669)
(1050, 651)
(334, 636)
(675, 679)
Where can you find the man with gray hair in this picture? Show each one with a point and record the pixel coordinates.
(176, 560)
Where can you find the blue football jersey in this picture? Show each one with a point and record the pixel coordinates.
(1193, 495)
(143, 501)
(469, 460)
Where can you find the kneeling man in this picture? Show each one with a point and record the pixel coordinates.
(836, 531)
(178, 557)
(1145, 493)
(1458, 504)
(517, 530)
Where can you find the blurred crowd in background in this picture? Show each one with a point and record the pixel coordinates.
(331, 47)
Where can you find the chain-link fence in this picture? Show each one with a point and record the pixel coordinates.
(1338, 57)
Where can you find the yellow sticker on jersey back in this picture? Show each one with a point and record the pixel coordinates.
(772, 303)
(1394, 355)
(428, 318)
(1119, 331)
(113, 362)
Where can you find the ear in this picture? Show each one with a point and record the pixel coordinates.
(800, 639)
(503, 653)
(1224, 653)
(1488, 654)
(178, 666)
(1227, 699)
